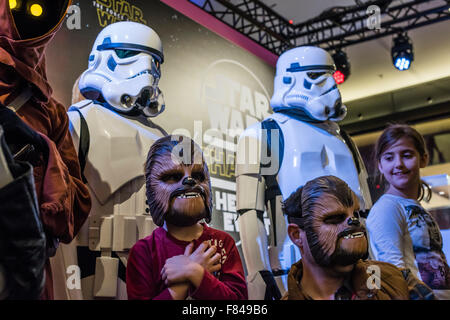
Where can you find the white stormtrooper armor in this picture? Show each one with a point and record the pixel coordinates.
(122, 85)
(297, 143)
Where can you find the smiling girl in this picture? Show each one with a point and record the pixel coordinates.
(401, 231)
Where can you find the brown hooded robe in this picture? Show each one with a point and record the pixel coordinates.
(63, 198)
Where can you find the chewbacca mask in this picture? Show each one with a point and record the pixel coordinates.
(327, 210)
(177, 182)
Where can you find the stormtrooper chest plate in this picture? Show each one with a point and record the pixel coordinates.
(313, 150)
(115, 174)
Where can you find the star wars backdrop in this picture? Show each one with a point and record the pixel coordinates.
(213, 89)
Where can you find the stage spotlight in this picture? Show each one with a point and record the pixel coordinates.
(402, 52)
(342, 66)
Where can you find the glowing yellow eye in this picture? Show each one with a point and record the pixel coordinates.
(12, 4)
(36, 10)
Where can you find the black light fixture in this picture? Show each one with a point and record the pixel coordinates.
(342, 66)
(402, 52)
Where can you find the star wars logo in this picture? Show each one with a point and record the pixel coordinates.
(235, 99)
(110, 11)
(233, 105)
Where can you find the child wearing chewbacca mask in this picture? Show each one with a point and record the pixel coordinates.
(184, 257)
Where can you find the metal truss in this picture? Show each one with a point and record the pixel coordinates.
(336, 27)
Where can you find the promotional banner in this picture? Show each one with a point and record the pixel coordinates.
(213, 89)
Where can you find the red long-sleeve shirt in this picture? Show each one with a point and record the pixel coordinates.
(148, 256)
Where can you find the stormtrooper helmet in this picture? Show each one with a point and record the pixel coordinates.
(124, 70)
(304, 80)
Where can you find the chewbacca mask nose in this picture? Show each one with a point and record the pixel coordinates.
(189, 181)
(353, 221)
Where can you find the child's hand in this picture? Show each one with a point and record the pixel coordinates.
(191, 266)
(182, 268)
(204, 256)
(179, 269)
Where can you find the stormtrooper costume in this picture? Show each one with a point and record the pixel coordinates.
(113, 134)
(298, 142)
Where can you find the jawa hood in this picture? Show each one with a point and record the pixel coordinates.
(22, 55)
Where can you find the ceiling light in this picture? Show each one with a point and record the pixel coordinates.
(402, 52)
(342, 66)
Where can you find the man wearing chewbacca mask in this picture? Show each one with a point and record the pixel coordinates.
(183, 257)
(324, 224)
